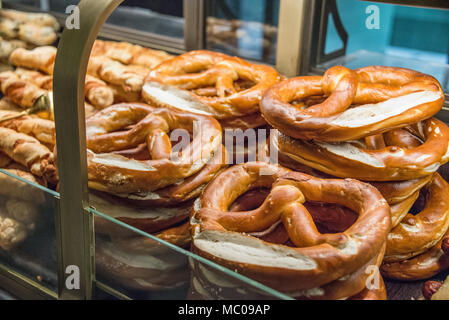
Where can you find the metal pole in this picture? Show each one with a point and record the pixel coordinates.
(290, 36)
(75, 224)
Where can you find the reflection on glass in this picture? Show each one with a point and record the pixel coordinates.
(161, 17)
(27, 230)
(158, 266)
(393, 35)
(243, 28)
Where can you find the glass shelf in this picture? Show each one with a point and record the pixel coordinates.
(152, 269)
(29, 210)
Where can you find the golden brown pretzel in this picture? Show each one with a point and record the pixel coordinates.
(209, 83)
(353, 159)
(98, 92)
(117, 174)
(185, 190)
(420, 267)
(417, 233)
(317, 259)
(390, 97)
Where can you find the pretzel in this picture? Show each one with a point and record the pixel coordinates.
(130, 77)
(29, 152)
(373, 294)
(423, 266)
(147, 219)
(384, 98)
(209, 83)
(40, 19)
(117, 174)
(184, 190)
(417, 233)
(142, 268)
(318, 258)
(40, 58)
(19, 91)
(127, 53)
(121, 95)
(353, 159)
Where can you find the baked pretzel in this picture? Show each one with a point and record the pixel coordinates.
(317, 259)
(117, 174)
(147, 219)
(423, 266)
(128, 53)
(19, 91)
(29, 152)
(417, 233)
(384, 98)
(353, 159)
(40, 58)
(184, 190)
(142, 263)
(209, 83)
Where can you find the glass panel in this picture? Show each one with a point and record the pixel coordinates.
(139, 265)
(161, 17)
(394, 35)
(245, 28)
(27, 228)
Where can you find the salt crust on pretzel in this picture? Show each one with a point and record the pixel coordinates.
(383, 98)
(391, 163)
(417, 233)
(117, 174)
(171, 82)
(288, 269)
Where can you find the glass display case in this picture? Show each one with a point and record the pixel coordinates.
(82, 234)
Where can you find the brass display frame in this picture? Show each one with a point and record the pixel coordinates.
(75, 234)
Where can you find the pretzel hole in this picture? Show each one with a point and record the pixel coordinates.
(328, 218)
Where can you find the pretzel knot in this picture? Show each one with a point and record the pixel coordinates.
(315, 259)
(125, 126)
(353, 103)
(362, 160)
(210, 83)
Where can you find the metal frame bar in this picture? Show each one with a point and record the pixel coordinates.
(291, 34)
(76, 224)
(194, 24)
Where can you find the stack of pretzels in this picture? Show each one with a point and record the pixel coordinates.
(291, 231)
(141, 174)
(374, 124)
